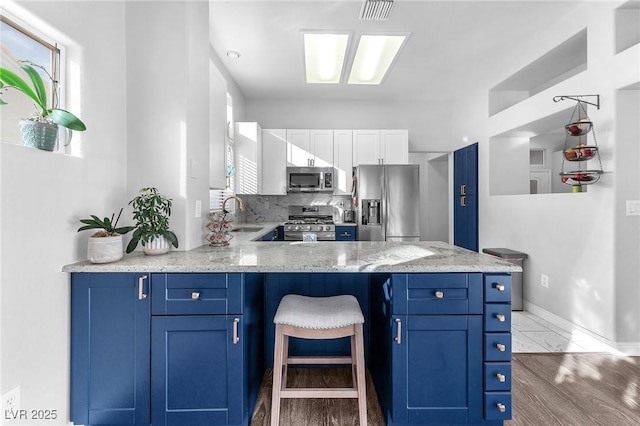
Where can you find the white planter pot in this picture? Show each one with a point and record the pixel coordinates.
(105, 249)
(159, 245)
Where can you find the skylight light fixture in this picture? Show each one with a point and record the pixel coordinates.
(374, 57)
(324, 57)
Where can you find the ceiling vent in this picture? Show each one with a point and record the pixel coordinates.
(376, 10)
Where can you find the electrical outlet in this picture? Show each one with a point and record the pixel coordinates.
(544, 280)
(198, 208)
(11, 405)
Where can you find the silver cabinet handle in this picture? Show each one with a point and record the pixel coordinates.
(195, 295)
(501, 377)
(236, 339)
(500, 317)
(463, 189)
(141, 294)
(398, 338)
(439, 294)
(499, 287)
(501, 407)
(501, 347)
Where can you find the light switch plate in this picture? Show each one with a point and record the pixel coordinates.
(633, 207)
(198, 208)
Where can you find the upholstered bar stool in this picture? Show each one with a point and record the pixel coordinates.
(318, 318)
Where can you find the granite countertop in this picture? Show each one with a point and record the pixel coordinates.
(245, 254)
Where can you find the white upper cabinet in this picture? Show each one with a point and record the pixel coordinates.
(274, 162)
(307, 148)
(394, 146)
(380, 147)
(343, 160)
(261, 159)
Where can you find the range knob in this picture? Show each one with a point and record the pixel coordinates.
(327, 228)
(297, 228)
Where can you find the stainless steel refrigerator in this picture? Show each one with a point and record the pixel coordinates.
(387, 198)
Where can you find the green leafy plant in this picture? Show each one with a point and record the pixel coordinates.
(37, 92)
(108, 227)
(151, 211)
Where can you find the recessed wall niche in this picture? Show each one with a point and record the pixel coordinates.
(627, 25)
(560, 63)
(511, 170)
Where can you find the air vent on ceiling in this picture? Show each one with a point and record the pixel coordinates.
(376, 10)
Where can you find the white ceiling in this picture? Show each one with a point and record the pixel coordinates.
(454, 45)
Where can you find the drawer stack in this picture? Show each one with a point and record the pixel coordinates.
(497, 347)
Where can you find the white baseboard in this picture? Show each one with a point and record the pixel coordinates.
(626, 348)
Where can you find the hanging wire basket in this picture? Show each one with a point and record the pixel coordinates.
(577, 151)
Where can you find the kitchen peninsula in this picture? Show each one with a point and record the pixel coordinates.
(185, 338)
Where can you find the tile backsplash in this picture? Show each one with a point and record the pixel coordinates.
(275, 208)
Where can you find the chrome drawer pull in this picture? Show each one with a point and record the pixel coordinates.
(141, 294)
(439, 294)
(499, 287)
(195, 295)
(500, 317)
(236, 339)
(501, 378)
(501, 347)
(398, 338)
(501, 407)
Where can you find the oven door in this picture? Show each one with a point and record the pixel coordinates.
(300, 235)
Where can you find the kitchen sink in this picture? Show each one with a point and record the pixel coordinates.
(247, 229)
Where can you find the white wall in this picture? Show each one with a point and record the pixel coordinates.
(44, 195)
(429, 123)
(168, 108)
(572, 238)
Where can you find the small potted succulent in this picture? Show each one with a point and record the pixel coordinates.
(41, 129)
(105, 245)
(151, 211)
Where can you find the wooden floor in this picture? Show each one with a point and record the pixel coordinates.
(581, 389)
(316, 412)
(551, 389)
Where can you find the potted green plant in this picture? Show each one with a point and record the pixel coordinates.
(40, 130)
(151, 211)
(106, 244)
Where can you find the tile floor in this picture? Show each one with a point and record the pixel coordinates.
(530, 333)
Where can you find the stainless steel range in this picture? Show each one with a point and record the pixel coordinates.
(310, 223)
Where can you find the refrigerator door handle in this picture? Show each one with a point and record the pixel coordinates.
(384, 218)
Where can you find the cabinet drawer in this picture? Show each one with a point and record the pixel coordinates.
(497, 288)
(425, 294)
(196, 294)
(497, 347)
(345, 233)
(497, 317)
(497, 376)
(497, 405)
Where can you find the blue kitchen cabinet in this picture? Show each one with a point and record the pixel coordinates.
(206, 348)
(110, 338)
(346, 233)
(431, 338)
(275, 235)
(465, 206)
(197, 370)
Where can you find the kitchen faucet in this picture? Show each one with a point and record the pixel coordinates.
(240, 203)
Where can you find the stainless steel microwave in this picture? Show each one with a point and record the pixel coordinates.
(310, 179)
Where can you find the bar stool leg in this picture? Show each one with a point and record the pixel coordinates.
(285, 360)
(277, 376)
(362, 386)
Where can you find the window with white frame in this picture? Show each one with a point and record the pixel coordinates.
(19, 44)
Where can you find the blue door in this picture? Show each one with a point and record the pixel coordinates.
(197, 370)
(110, 349)
(437, 369)
(465, 210)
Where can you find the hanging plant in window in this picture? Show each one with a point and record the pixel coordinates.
(41, 129)
(579, 154)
